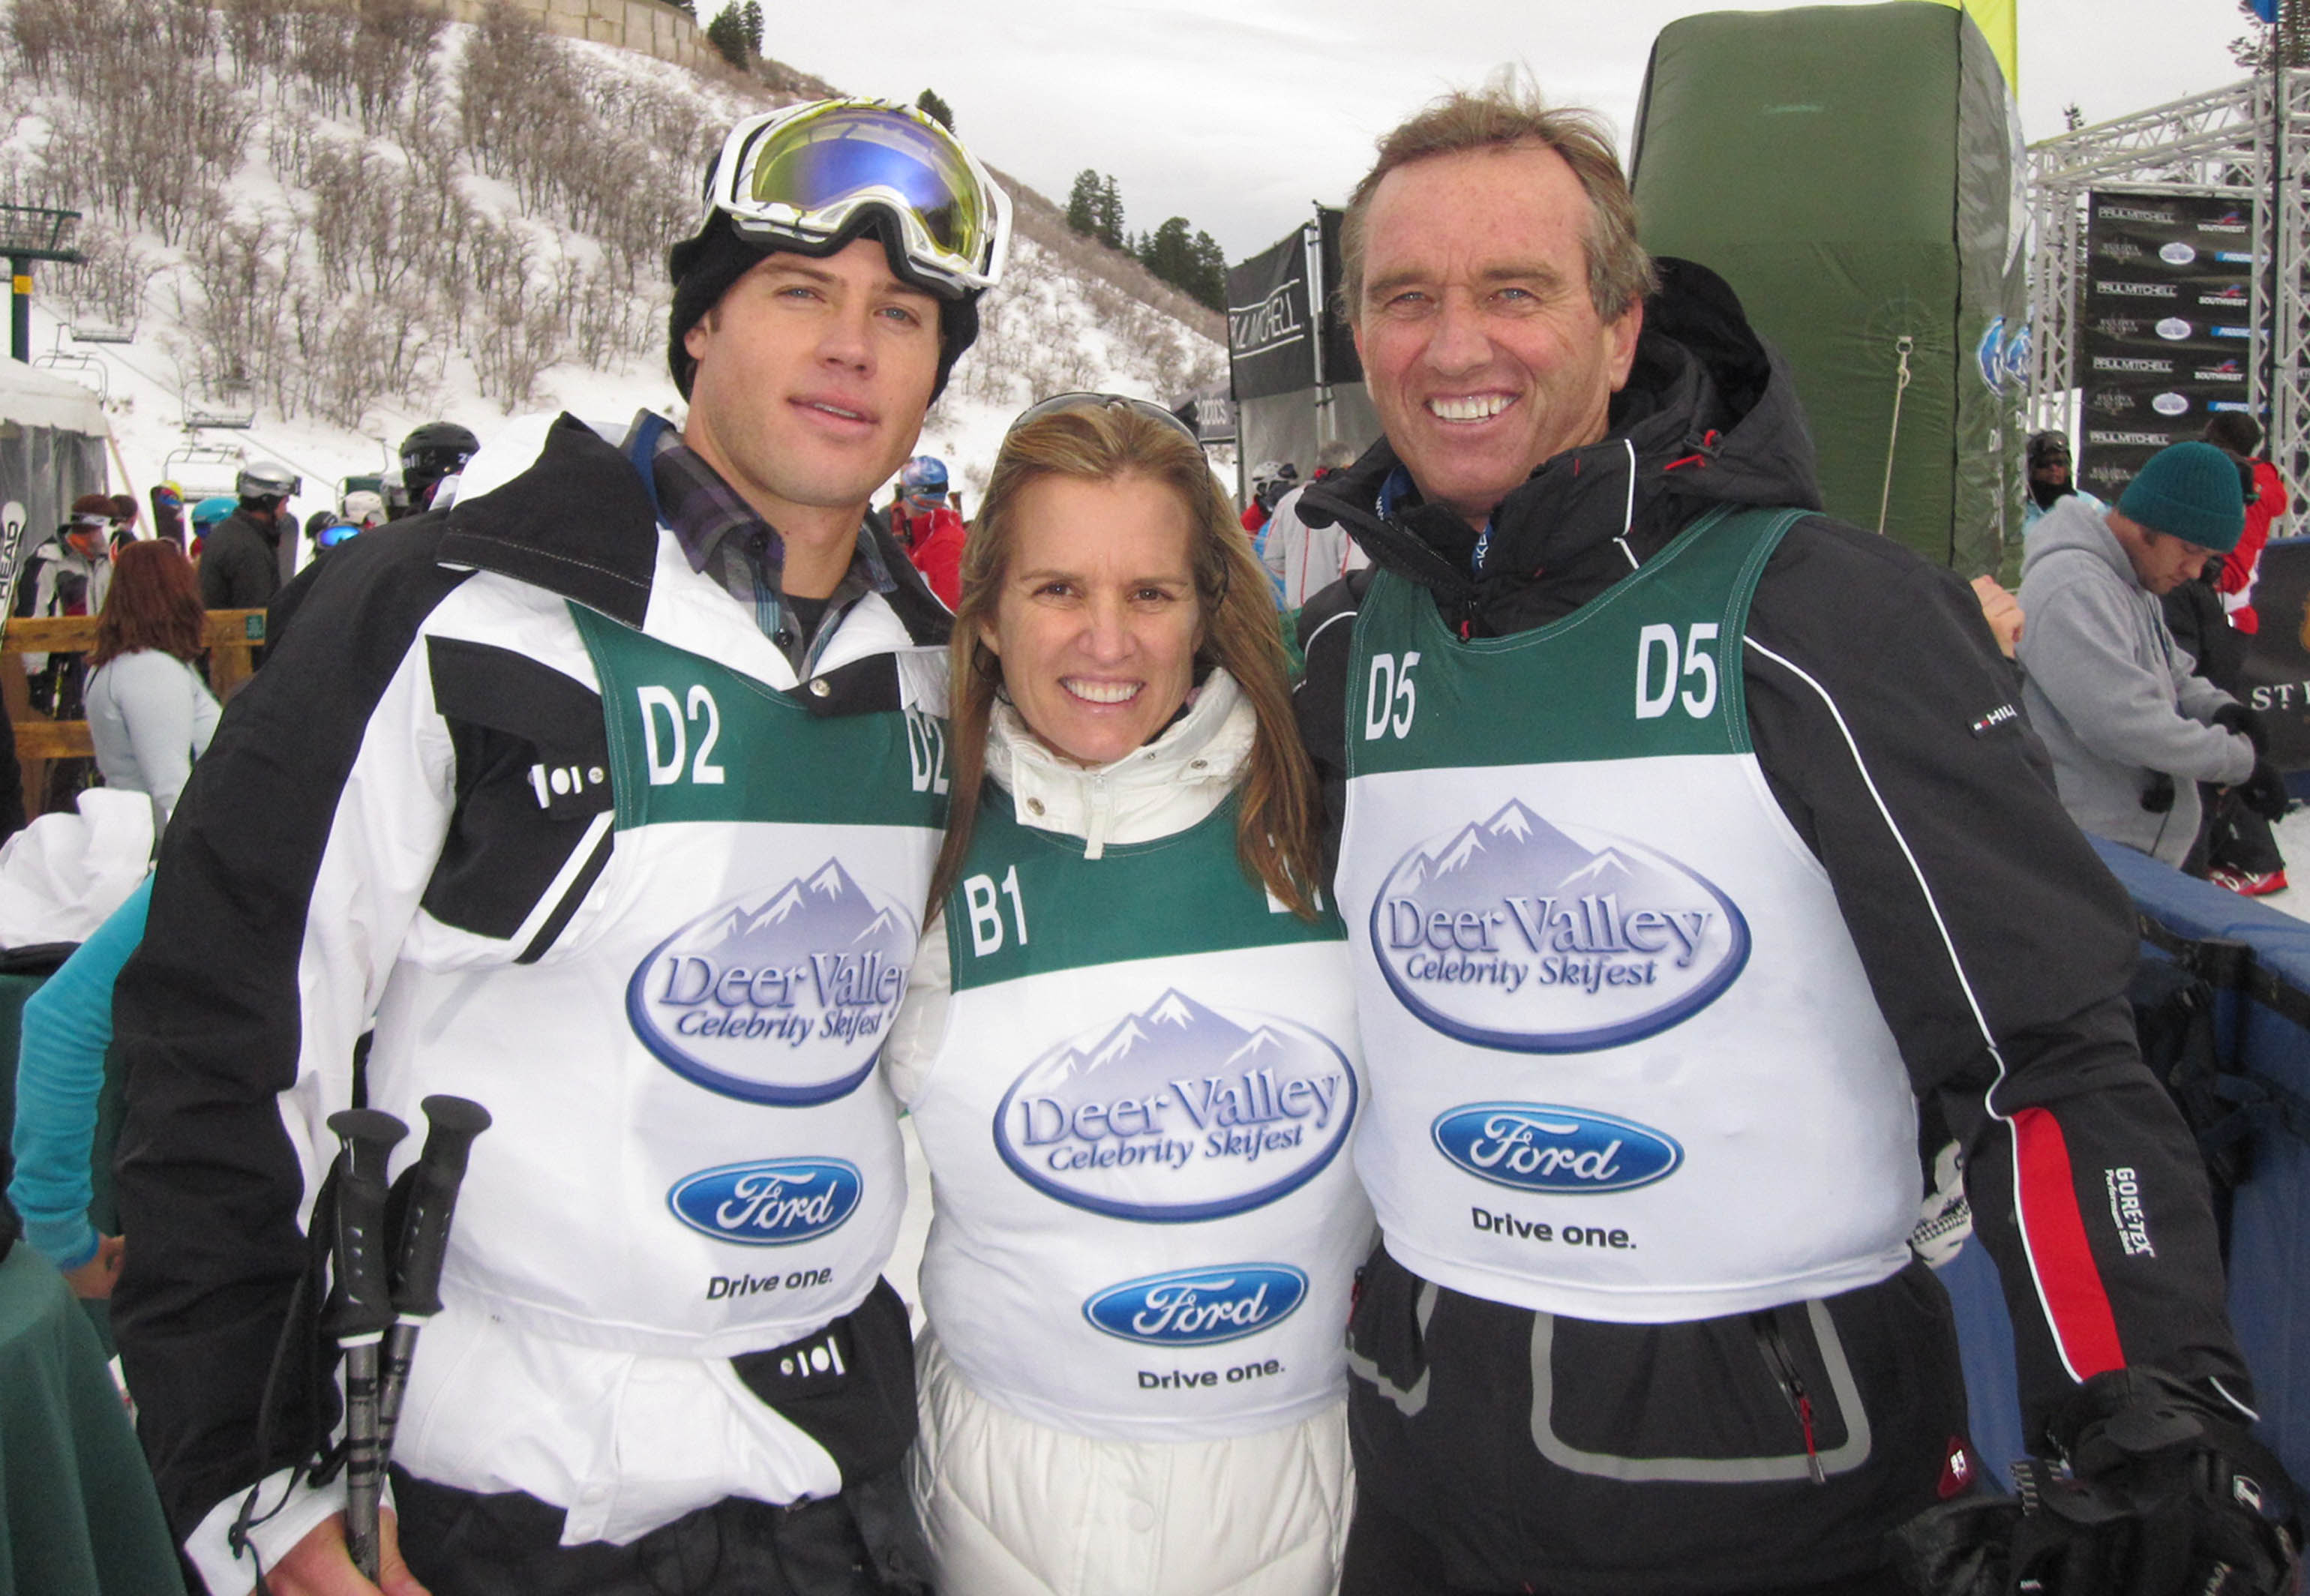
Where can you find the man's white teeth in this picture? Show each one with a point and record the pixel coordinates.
(1475, 407)
(835, 410)
(1103, 692)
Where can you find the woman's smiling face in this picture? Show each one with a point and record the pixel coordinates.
(1098, 621)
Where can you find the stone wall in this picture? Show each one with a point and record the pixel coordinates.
(649, 26)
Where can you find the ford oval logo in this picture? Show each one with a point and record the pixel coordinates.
(782, 998)
(1179, 1111)
(1540, 1146)
(773, 1203)
(1514, 934)
(1199, 1307)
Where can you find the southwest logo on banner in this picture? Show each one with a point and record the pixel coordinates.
(1514, 934)
(783, 999)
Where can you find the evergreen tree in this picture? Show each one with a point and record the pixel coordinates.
(1111, 214)
(2291, 35)
(1169, 254)
(750, 17)
(728, 34)
(1083, 202)
(929, 103)
(1209, 285)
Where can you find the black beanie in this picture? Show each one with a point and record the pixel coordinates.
(706, 265)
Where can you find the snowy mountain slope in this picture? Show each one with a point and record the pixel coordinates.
(485, 236)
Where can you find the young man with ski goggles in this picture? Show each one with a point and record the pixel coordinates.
(627, 718)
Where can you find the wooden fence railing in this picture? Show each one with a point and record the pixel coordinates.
(233, 637)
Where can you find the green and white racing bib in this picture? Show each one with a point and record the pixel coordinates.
(1145, 1225)
(693, 1153)
(1625, 1062)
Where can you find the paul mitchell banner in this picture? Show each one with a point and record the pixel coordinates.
(1270, 326)
(2165, 315)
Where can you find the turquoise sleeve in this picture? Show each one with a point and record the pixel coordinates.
(59, 1076)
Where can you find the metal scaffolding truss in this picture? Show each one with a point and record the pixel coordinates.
(2220, 143)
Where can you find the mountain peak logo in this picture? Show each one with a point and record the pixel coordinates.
(1516, 933)
(781, 1000)
(1179, 1111)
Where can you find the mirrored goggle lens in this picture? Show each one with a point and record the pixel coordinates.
(818, 169)
(329, 537)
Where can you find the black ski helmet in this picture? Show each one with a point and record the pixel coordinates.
(433, 451)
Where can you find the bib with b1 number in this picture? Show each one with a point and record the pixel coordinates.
(1625, 1062)
(1137, 1122)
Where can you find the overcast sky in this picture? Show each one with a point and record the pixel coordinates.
(1237, 114)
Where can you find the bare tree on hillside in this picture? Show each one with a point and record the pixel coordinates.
(394, 40)
(107, 289)
(258, 33)
(321, 49)
(235, 320)
(290, 144)
(517, 341)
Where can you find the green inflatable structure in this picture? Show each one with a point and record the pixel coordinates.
(1854, 173)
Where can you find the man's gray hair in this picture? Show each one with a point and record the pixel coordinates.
(1504, 113)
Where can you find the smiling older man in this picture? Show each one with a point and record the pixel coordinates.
(1692, 843)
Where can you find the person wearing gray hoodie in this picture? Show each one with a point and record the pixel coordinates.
(2132, 732)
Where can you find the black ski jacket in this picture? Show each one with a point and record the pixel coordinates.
(1994, 941)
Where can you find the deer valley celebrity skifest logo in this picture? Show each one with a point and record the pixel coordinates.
(1178, 1113)
(1514, 934)
(783, 999)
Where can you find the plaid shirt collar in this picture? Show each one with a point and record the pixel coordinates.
(722, 536)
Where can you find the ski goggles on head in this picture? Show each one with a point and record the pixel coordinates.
(1086, 399)
(809, 178)
(335, 532)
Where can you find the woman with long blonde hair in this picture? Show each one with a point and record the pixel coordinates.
(1128, 1050)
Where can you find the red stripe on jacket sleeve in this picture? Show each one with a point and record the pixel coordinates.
(2053, 1233)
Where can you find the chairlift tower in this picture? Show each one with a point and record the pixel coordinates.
(2223, 144)
(29, 233)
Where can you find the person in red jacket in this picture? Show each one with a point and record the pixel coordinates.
(2241, 435)
(930, 528)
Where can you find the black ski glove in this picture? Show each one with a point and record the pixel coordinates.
(2247, 724)
(2165, 1497)
(2265, 792)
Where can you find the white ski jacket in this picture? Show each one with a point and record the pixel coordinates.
(1013, 1507)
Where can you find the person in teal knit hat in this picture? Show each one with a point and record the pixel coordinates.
(2131, 730)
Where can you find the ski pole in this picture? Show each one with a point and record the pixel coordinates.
(362, 1312)
(430, 1203)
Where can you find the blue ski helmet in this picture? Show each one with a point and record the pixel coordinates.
(924, 477)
